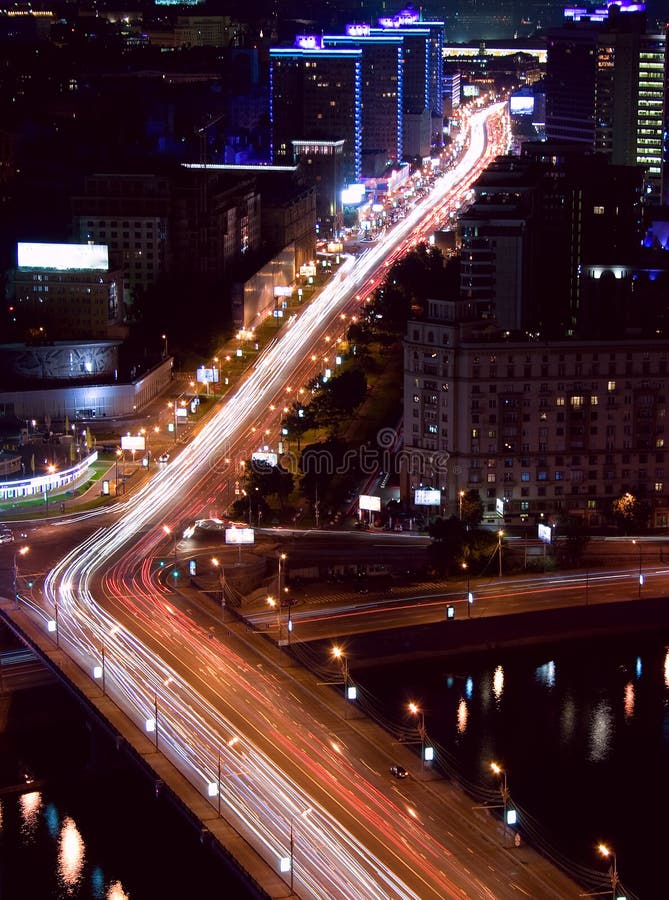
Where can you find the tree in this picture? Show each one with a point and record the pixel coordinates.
(447, 549)
(471, 507)
(298, 420)
(268, 480)
(630, 513)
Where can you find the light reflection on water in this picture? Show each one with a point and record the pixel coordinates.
(71, 855)
(582, 729)
(39, 821)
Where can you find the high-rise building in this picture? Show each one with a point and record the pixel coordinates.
(381, 95)
(423, 65)
(316, 95)
(605, 88)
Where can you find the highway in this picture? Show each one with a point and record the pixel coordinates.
(265, 760)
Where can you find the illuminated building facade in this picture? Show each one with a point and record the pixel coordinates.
(538, 429)
(606, 88)
(67, 291)
(316, 95)
(381, 96)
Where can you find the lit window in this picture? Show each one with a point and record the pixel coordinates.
(659, 487)
(559, 401)
(598, 210)
(611, 386)
(576, 401)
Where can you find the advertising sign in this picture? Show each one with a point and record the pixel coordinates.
(133, 442)
(239, 536)
(424, 497)
(544, 533)
(206, 376)
(181, 412)
(63, 256)
(371, 503)
(271, 459)
(499, 506)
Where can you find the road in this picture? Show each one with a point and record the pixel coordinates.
(265, 759)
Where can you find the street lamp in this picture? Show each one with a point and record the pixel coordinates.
(500, 535)
(51, 469)
(119, 454)
(461, 495)
(20, 552)
(503, 789)
(613, 871)
(169, 531)
(470, 596)
(640, 572)
(275, 603)
(164, 338)
(221, 580)
(415, 710)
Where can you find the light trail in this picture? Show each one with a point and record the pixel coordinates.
(219, 715)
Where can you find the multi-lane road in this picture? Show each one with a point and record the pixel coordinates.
(264, 759)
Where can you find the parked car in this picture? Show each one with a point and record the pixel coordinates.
(398, 771)
(163, 457)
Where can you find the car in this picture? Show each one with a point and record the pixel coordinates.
(163, 457)
(398, 771)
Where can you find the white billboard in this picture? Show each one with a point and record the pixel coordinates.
(63, 256)
(545, 533)
(371, 503)
(181, 412)
(353, 194)
(499, 506)
(271, 459)
(424, 497)
(239, 536)
(206, 376)
(133, 442)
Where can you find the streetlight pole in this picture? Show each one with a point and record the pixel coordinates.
(613, 871)
(221, 581)
(634, 541)
(415, 710)
(461, 495)
(470, 596)
(503, 789)
(500, 535)
(20, 552)
(272, 603)
(170, 531)
(50, 470)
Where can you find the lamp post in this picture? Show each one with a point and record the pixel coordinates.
(470, 596)
(339, 655)
(20, 552)
(119, 453)
(216, 563)
(503, 789)
(169, 531)
(275, 603)
(164, 338)
(50, 469)
(634, 541)
(461, 495)
(415, 710)
(500, 535)
(613, 871)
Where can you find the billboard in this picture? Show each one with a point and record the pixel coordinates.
(62, 256)
(424, 497)
(239, 536)
(270, 459)
(353, 194)
(521, 106)
(544, 533)
(371, 503)
(133, 442)
(499, 506)
(181, 412)
(205, 375)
